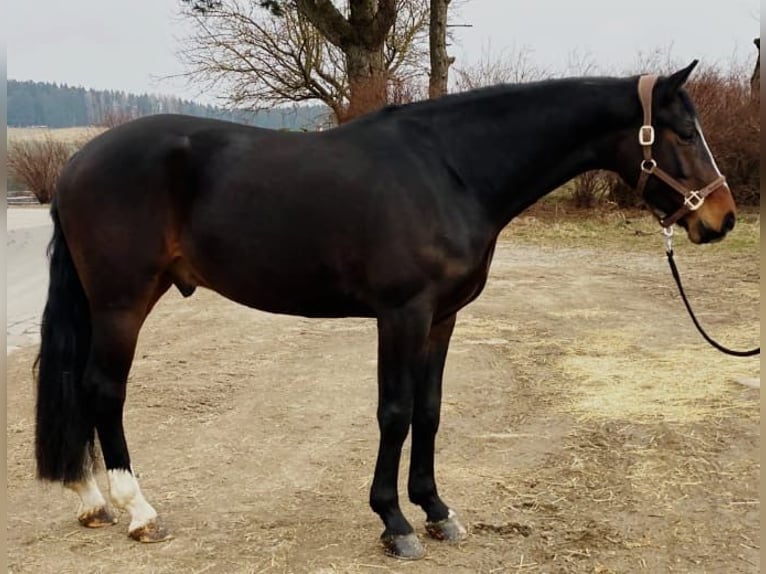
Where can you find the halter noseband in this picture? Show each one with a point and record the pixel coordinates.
(693, 199)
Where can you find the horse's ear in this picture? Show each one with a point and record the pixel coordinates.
(673, 83)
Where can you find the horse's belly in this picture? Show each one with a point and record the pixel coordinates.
(285, 291)
(314, 307)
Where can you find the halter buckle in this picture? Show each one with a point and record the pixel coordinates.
(646, 135)
(648, 165)
(694, 200)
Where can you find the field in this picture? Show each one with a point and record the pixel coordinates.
(40, 137)
(586, 426)
(68, 135)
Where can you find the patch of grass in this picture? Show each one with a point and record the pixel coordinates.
(626, 378)
(76, 136)
(619, 229)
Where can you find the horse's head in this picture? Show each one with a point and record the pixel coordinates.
(677, 174)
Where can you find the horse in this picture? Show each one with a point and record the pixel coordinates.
(393, 217)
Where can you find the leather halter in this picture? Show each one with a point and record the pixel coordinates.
(693, 199)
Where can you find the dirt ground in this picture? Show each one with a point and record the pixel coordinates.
(586, 427)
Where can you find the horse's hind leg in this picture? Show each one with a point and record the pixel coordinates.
(115, 332)
(93, 512)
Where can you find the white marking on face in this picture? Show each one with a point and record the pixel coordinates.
(126, 494)
(89, 493)
(707, 149)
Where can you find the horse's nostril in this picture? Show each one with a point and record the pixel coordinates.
(728, 223)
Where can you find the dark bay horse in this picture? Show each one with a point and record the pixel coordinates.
(394, 217)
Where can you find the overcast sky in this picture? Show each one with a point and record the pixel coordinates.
(129, 46)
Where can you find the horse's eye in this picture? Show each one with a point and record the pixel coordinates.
(687, 138)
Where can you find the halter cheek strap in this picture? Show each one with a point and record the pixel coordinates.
(693, 199)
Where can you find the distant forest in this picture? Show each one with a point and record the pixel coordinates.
(62, 106)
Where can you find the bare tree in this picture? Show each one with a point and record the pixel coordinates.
(258, 58)
(490, 69)
(406, 51)
(360, 36)
(440, 59)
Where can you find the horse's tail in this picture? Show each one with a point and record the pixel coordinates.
(64, 435)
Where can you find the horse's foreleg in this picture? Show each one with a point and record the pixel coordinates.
(114, 338)
(441, 522)
(401, 352)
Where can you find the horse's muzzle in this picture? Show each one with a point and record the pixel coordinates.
(706, 234)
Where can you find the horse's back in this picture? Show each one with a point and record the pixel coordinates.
(132, 156)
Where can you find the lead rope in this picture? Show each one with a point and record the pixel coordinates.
(668, 233)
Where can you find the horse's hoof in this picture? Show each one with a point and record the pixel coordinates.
(403, 546)
(152, 531)
(97, 518)
(448, 529)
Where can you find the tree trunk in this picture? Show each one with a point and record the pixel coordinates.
(755, 79)
(361, 38)
(440, 60)
(367, 80)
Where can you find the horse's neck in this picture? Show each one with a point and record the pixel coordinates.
(513, 146)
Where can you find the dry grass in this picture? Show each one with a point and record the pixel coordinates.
(641, 374)
(625, 495)
(37, 155)
(36, 164)
(552, 220)
(623, 377)
(74, 136)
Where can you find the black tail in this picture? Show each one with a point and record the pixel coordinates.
(64, 437)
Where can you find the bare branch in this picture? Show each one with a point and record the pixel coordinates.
(382, 21)
(37, 164)
(491, 68)
(328, 20)
(257, 59)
